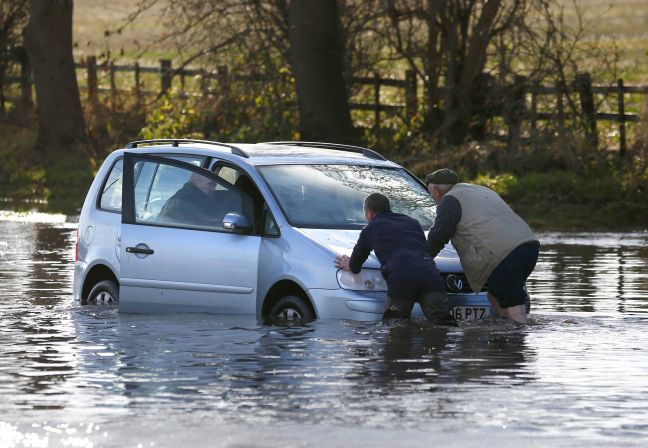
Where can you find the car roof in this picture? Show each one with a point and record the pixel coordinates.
(269, 153)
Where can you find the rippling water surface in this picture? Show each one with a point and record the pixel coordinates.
(84, 376)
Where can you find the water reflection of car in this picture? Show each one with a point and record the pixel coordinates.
(282, 211)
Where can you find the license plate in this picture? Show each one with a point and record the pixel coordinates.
(470, 312)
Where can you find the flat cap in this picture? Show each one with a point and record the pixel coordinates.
(444, 176)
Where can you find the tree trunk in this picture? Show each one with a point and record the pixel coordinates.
(316, 57)
(464, 72)
(48, 38)
(433, 65)
(61, 129)
(451, 128)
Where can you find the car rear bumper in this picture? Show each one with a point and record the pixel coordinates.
(80, 268)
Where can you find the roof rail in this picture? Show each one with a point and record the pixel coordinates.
(177, 141)
(338, 146)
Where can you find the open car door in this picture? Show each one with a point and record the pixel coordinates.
(176, 253)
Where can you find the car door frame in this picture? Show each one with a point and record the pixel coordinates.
(128, 182)
(129, 217)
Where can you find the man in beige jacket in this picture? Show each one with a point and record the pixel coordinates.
(496, 247)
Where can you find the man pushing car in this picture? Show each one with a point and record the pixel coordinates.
(410, 272)
(496, 247)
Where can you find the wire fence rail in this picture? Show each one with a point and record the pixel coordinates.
(522, 102)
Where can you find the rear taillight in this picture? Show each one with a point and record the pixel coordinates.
(76, 247)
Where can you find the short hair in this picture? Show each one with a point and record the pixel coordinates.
(377, 203)
(443, 187)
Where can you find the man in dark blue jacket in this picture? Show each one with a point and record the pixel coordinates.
(400, 245)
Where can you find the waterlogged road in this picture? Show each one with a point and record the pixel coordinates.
(82, 376)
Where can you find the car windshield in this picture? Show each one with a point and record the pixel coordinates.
(331, 196)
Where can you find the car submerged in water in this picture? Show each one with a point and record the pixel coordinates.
(197, 226)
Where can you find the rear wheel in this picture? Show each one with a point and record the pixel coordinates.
(292, 308)
(104, 293)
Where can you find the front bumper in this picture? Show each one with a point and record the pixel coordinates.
(367, 306)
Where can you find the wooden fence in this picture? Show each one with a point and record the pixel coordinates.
(521, 104)
(167, 73)
(525, 100)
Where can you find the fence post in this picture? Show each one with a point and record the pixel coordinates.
(223, 78)
(561, 109)
(411, 100)
(376, 104)
(138, 91)
(165, 75)
(516, 110)
(113, 85)
(91, 68)
(204, 83)
(2, 96)
(534, 109)
(622, 125)
(584, 87)
(25, 82)
(182, 82)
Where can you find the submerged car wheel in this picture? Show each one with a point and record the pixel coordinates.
(104, 293)
(292, 308)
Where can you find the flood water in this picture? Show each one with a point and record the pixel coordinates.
(577, 375)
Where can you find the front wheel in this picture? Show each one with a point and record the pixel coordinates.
(104, 293)
(292, 308)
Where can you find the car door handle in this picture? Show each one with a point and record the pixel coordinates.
(139, 250)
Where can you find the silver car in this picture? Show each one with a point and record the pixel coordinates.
(190, 225)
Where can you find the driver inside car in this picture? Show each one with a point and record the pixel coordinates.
(195, 203)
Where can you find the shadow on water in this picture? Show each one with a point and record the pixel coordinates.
(577, 368)
(327, 371)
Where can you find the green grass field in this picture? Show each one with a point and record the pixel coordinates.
(95, 25)
(620, 23)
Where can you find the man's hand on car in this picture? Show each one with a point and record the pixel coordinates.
(342, 262)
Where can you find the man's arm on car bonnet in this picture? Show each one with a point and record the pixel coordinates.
(445, 224)
(360, 252)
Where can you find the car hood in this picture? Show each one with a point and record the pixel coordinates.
(342, 242)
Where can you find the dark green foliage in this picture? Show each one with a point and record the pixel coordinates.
(21, 175)
(68, 178)
(30, 179)
(554, 185)
(245, 112)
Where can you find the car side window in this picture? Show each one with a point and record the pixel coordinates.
(244, 184)
(111, 193)
(229, 174)
(192, 160)
(180, 197)
(270, 227)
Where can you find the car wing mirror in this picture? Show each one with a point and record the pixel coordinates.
(236, 223)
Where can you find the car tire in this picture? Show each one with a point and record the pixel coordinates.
(292, 308)
(104, 293)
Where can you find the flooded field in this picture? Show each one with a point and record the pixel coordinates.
(83, 376)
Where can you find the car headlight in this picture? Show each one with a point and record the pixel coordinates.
(366, 280)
